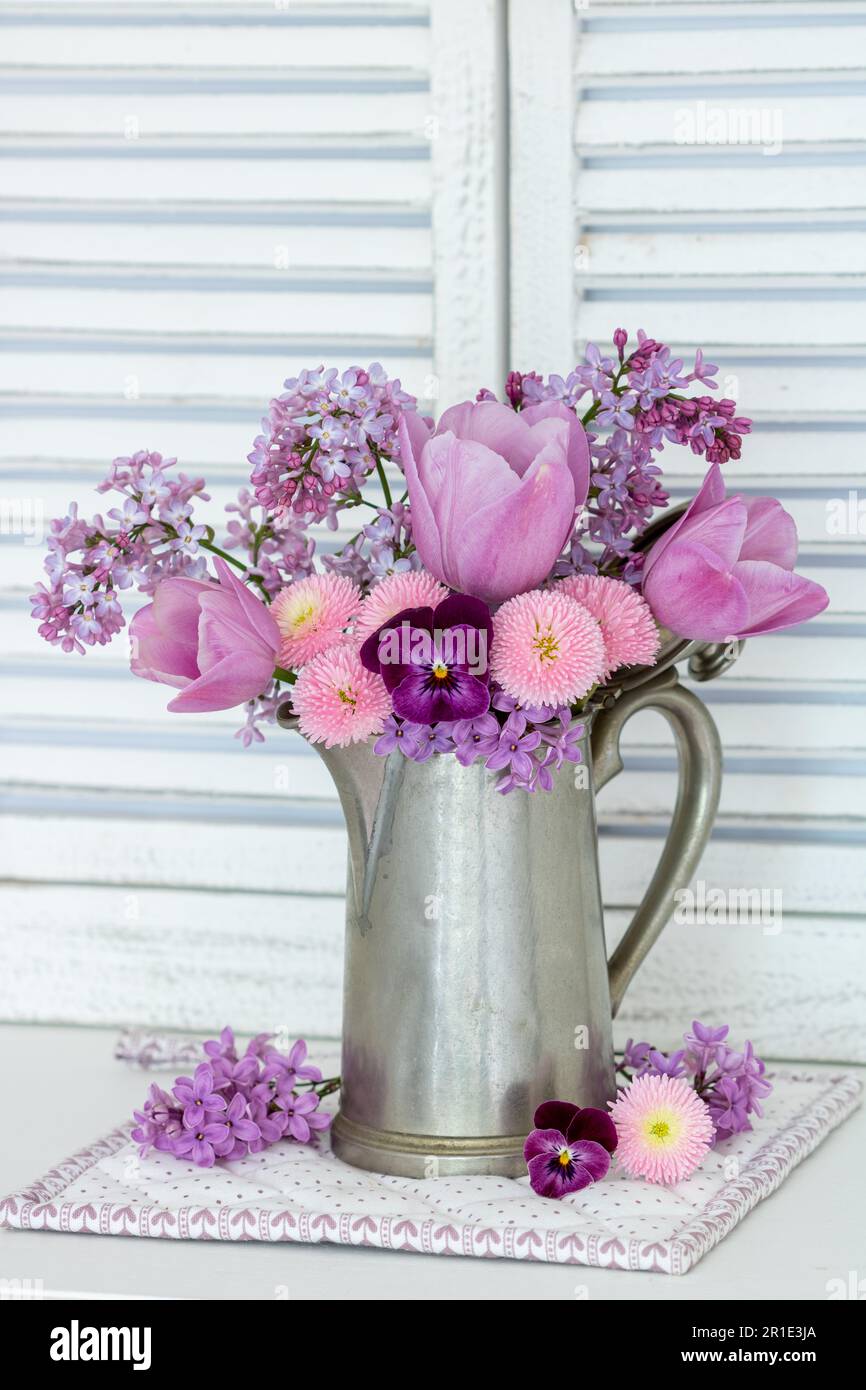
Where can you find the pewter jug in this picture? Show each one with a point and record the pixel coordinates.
(476, 976)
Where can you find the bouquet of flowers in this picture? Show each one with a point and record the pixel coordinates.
(500, 578)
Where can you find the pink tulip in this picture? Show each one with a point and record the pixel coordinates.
(724, 569)
(217, 643)
(493, 493)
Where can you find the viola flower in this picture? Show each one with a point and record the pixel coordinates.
(569, 1148)
(434, 661)
(412, 589)
(337, 701)
(547, 649)
(628, 629)
(313, 614)
(664, 1128)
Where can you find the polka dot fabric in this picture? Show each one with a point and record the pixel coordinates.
(296, 1192)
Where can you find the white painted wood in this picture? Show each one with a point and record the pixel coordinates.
(272, 236)
(625, 48)
(545, 247)
(468, 136)
(321, 103)
(163, 958)
(687, 183)
(241, 844)
(288, 170)
(633, 247)
(382, 303)
(117, 47)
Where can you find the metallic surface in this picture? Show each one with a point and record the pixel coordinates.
(476, 980)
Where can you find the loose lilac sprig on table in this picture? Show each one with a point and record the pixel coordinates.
(234, 1105)
(731, 1083)
(525, 516)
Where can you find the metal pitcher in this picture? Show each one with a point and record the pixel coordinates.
(477, 982)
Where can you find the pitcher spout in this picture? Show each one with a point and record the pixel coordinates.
(360, 777)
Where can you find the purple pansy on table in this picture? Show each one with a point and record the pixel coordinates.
(569, 1147)
(434, 660)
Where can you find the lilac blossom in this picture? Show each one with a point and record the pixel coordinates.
(732, 1084)
(234, 1105)
(324, 436)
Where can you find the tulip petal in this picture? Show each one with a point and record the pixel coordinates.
(695, 594)
(256, 613)
(425, 532)
(578, 444)
(776, 597)
(510, 545)
(710, 493)
(771, 533)
(496, 426)
(230, 682)
(163, 634)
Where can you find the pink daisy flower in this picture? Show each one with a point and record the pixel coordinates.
(547, 649)
(629, 631)
(414, 589)
(664, 1128)
(312, 615)
(338, 701)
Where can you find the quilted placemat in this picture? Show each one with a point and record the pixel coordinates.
(296, 1192)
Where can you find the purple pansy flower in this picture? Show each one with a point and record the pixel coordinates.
(569, 1148)
(200, 1101)
(434, 661)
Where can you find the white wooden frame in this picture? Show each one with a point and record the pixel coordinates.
(468, 128)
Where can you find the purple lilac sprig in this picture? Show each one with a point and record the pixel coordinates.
(323, 438)
(732, 1083)
(151, 536)
(632, 404)
(235, 1104)
(525, 744)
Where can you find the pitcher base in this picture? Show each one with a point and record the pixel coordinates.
(426, 1155)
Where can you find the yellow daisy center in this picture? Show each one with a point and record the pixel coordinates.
(348, 697)
(546, 645)
(662, 1128)
(302, 616)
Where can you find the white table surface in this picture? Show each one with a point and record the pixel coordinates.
(62, 1089)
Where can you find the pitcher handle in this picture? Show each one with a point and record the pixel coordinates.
(699, 753)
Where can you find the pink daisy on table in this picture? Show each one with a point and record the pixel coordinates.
(414, 589)
(312, 615)
(664, 1128)
(547, 649)
(338, 701)
(629, 631)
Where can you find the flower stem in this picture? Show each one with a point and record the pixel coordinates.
(384, 481)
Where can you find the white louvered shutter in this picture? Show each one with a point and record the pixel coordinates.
(195, 202)
(622, 216)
